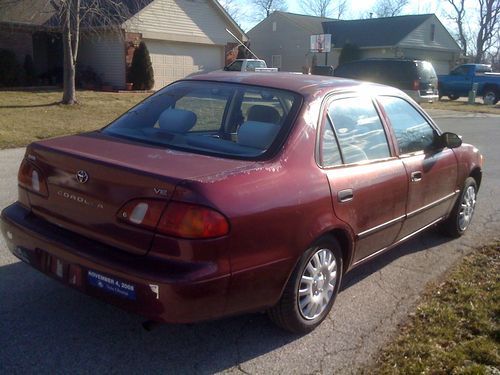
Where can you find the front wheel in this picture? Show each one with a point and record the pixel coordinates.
(453, 97)
(461, 215)
(312, 288)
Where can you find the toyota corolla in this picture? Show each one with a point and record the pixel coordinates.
(230, 193)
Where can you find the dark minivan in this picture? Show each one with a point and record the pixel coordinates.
(416, 78)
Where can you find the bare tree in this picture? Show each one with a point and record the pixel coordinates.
(92, 17)
(71, 18)
(234, 9)
(389, 8)
(476, 40)
(324, 8)
(489, 27)
(263, 8)
(458, 16)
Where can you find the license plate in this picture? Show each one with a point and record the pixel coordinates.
(111, 285)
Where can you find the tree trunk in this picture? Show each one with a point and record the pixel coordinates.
(69, 90)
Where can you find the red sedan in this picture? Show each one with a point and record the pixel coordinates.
(235, 192)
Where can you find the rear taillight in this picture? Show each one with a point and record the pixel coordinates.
(142, 212)
(416, 84)
(192, 221)
(30, 177)
(178, 219)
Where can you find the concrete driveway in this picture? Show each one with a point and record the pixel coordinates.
(48, 328)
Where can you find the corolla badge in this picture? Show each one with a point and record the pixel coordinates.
(82, 176)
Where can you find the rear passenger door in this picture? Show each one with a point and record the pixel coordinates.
(431, 171)
(367, 181)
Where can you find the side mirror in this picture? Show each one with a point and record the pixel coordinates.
(451, 140)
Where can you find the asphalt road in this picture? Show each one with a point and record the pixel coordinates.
(48, 328)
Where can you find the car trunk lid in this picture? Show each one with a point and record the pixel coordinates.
(91, 176)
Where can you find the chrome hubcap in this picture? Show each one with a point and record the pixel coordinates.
(467, 208)
(317, 284)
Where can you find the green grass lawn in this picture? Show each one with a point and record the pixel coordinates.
(456, 328)
(462, 106)
(30, 116)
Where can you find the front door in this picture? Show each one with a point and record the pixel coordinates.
(431, 171)
(367, 182)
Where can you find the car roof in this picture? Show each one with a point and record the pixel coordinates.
(303, 84)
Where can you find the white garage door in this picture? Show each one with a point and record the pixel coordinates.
(172, 61)
(440, 66)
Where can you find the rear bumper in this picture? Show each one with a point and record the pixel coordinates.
(419, 98)
(158, 289)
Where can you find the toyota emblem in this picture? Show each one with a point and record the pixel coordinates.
(82, 176)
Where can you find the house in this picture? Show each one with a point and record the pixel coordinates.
(421, 37)
(283, 40)
(416, 36)
(183, 37)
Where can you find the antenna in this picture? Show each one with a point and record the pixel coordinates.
(242, 44)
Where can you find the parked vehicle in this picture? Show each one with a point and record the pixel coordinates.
(249, 65)
(235, 192)
(461, 80)
(415, 77)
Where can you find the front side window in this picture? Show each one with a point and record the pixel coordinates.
(235, 66)
(359, 131)
(211, 117)
(413, 132)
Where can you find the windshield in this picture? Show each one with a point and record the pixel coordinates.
(427, 71)
(211, 117)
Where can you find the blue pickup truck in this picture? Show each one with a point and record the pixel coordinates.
(461, 79)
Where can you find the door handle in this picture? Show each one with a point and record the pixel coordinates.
(345, 195)
(416, 176)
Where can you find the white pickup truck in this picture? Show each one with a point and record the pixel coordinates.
(249, 65)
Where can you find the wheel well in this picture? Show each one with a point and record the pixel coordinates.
(345, 245)
(490, 87)
(477, 175)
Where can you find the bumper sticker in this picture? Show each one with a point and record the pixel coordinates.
(110, 285)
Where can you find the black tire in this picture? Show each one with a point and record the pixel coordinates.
(490, 97)
(461, 216)
(288, 313)
(453, 97)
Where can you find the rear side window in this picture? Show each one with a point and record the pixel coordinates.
(413, 132)
(358, 129)
(211, 117)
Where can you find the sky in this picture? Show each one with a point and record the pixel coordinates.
(357, 9)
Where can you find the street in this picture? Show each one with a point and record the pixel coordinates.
(46, 327)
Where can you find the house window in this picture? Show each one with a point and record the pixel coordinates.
(274, 26)
(433, 32)
(276, 61)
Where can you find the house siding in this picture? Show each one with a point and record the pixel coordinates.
(421, 37)
(195, 21)
(106, 55)
(288, 40)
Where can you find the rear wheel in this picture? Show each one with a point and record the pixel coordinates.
(453, 97)
(312, 288)
(490, 97)
(461, 215)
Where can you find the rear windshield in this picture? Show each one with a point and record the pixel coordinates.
(426, 71)
(211, 117)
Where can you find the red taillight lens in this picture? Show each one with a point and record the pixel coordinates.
(183, 220)
(416, 85)
(142, 212)
(192, 221)
(32, 179)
